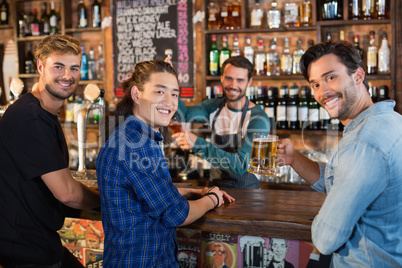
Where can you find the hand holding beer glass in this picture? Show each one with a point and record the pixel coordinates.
(263, 152)
(175, 125)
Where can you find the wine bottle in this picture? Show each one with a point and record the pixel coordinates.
(96, 14)
(82, 15)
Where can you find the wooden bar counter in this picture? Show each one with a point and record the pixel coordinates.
(264, 213)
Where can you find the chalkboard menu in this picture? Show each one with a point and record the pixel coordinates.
(144, 29)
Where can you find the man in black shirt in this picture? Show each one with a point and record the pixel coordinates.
(34, 176)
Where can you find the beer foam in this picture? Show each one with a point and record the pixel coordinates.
(266, 139)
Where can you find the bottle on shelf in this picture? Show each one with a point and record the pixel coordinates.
(26, 24)
(357, 46)
(305, 13)
(35, 24)
(224, 16)
(260, 59)
(236, 49)
(101, 63)
(30, 63)
(224, 53)
(372, 55)
(84, 65)
(342, 35)
(354, 9)
(313, 112)
(257, 15)
(332, 9)
(82, 15)
(270, 103)
(4, 12)
(297, 54)
(383, 92)
(97, 115)
(214, 22)
(368, 9)
(248, 50)
(291, 14)
(281, 115)
(274, 16)
(44, 20)
(218, 92)
(53, 18)
(261, 96)
(325, 119)
(96, 14)
(328, 36)
(69, 109)
(384, 56)
(92, 72)
(214, 57)
(381, 9)
(291, 107)
(236, 15)
(272, 58)
(208, 92)
(302, 108)
(286, 59)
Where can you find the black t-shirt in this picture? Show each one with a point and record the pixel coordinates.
(32, 143)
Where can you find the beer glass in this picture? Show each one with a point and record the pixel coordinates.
(175, 126)
(263, 152)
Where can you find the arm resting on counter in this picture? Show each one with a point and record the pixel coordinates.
(69, 191)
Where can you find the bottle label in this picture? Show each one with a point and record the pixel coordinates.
(97, 17)
(291, 113)
(302, 114)
(274, 19)
(324, 115)
(314, 115)
(291, 13)
(270, 112)
(3, 15)
(371, 59)
(53, 21)
(281, 113)
(256, 17)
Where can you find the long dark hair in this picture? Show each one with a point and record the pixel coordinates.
(141, 75)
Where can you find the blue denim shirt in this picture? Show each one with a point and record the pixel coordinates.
(360, 221)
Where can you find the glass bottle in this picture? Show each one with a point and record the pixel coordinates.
(381, 9)
(372, 55)
(274, 16)
(82, 15)
(270, 104)
(53, 18)
(272, 57)
(291, 14)
(261, 96)
(302, 108)
(30, 63)
(44, 19)
(357, 46)
(236, 50)
(286, 59)
(92, 72)
(236, 15)
(213, 16)
(355, 9)
(101, 64)
(248, 50)
(384, 56)
(291, 107)
(305, 13)
(383, 93)
(313, 112)
(368, 8)
(224, 16)
(324, 118)
(4, 12)
(257, 15)
(35, 25)
(260, 59)
(224, 53)
(84, 65)
(281, 116)
(297, 54)
(342, 35)
(214, 57)
(96, 14)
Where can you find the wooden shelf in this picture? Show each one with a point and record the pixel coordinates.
(262, 30)
(352, 22)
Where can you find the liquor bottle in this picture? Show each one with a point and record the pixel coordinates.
(214, 22)
(355, 9)
(305, 13)
(260, 59)
(82, 15)
(248, 50)
(4, 12)
(218, 93)
(270, 103)
(286, 59)
(224, 16)
(44, 20)
(384, 56)
(236, 15)
(357, 46)
(274, 16)
(281, 115)
(332, 10)
(328, 36)
(342, 35)
(84, 65)
(302, 108)
(208, 92)
(30, 63)
(224, 53)
(381, 9)
(291, 14)
(297, 54)
(324, 118)
(101, 64)
(272, 57)
(368, 8)
(53, 18)
(97, 115)
(372, 55)
(96, 14)
(313, 112)
(26, 21)
(35, 25)
(261, 96)
(235, 50)
(257, 15)
(291, 107)
(92, 72)
(214, 57)
(383, 93)
(69, 109)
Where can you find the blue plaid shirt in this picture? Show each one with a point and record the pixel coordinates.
(140, 205)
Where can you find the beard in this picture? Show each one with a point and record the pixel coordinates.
(242, 94)
(61, 95)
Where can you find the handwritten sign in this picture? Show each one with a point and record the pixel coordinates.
(144, 29)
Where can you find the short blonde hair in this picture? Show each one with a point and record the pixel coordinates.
(57, 44)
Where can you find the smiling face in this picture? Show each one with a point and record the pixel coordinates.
(60, 74)
(337, 91)
(234, 83)
(158, 101)
(279, 249)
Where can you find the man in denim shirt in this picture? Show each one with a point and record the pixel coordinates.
(360, 221)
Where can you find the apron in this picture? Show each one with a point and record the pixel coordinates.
(230, 143)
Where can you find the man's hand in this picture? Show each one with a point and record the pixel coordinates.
(285, 154)
(185, 139)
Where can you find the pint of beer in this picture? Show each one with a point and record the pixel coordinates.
(263, 152)
(175, 126)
